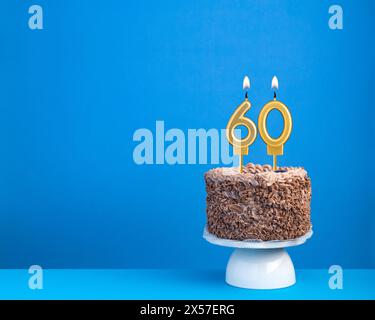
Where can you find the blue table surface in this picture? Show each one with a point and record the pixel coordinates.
(176, 284)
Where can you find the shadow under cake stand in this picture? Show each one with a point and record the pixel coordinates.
(259, 264)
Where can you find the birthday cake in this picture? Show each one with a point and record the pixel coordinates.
(259, 203)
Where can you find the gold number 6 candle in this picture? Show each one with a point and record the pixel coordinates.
(241, 146)
(275, 147)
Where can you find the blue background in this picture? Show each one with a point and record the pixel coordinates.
(177, 284)
(73, 94)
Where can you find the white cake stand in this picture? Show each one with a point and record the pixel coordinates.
(259, 264)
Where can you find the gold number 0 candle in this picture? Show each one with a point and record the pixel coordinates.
(275, 147)
(241, 146)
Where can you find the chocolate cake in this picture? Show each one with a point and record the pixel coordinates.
(258, 204)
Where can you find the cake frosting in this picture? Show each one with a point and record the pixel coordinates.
(259, 203)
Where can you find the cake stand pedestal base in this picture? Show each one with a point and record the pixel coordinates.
(260, 269)
(259, 264)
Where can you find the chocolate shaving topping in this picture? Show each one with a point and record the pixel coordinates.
(258, 204)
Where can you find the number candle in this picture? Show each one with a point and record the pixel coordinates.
(275, 147)
(241, 146)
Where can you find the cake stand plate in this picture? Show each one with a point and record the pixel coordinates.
(258, 264)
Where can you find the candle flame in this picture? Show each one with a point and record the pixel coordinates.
(275, 83)
(246, 83)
